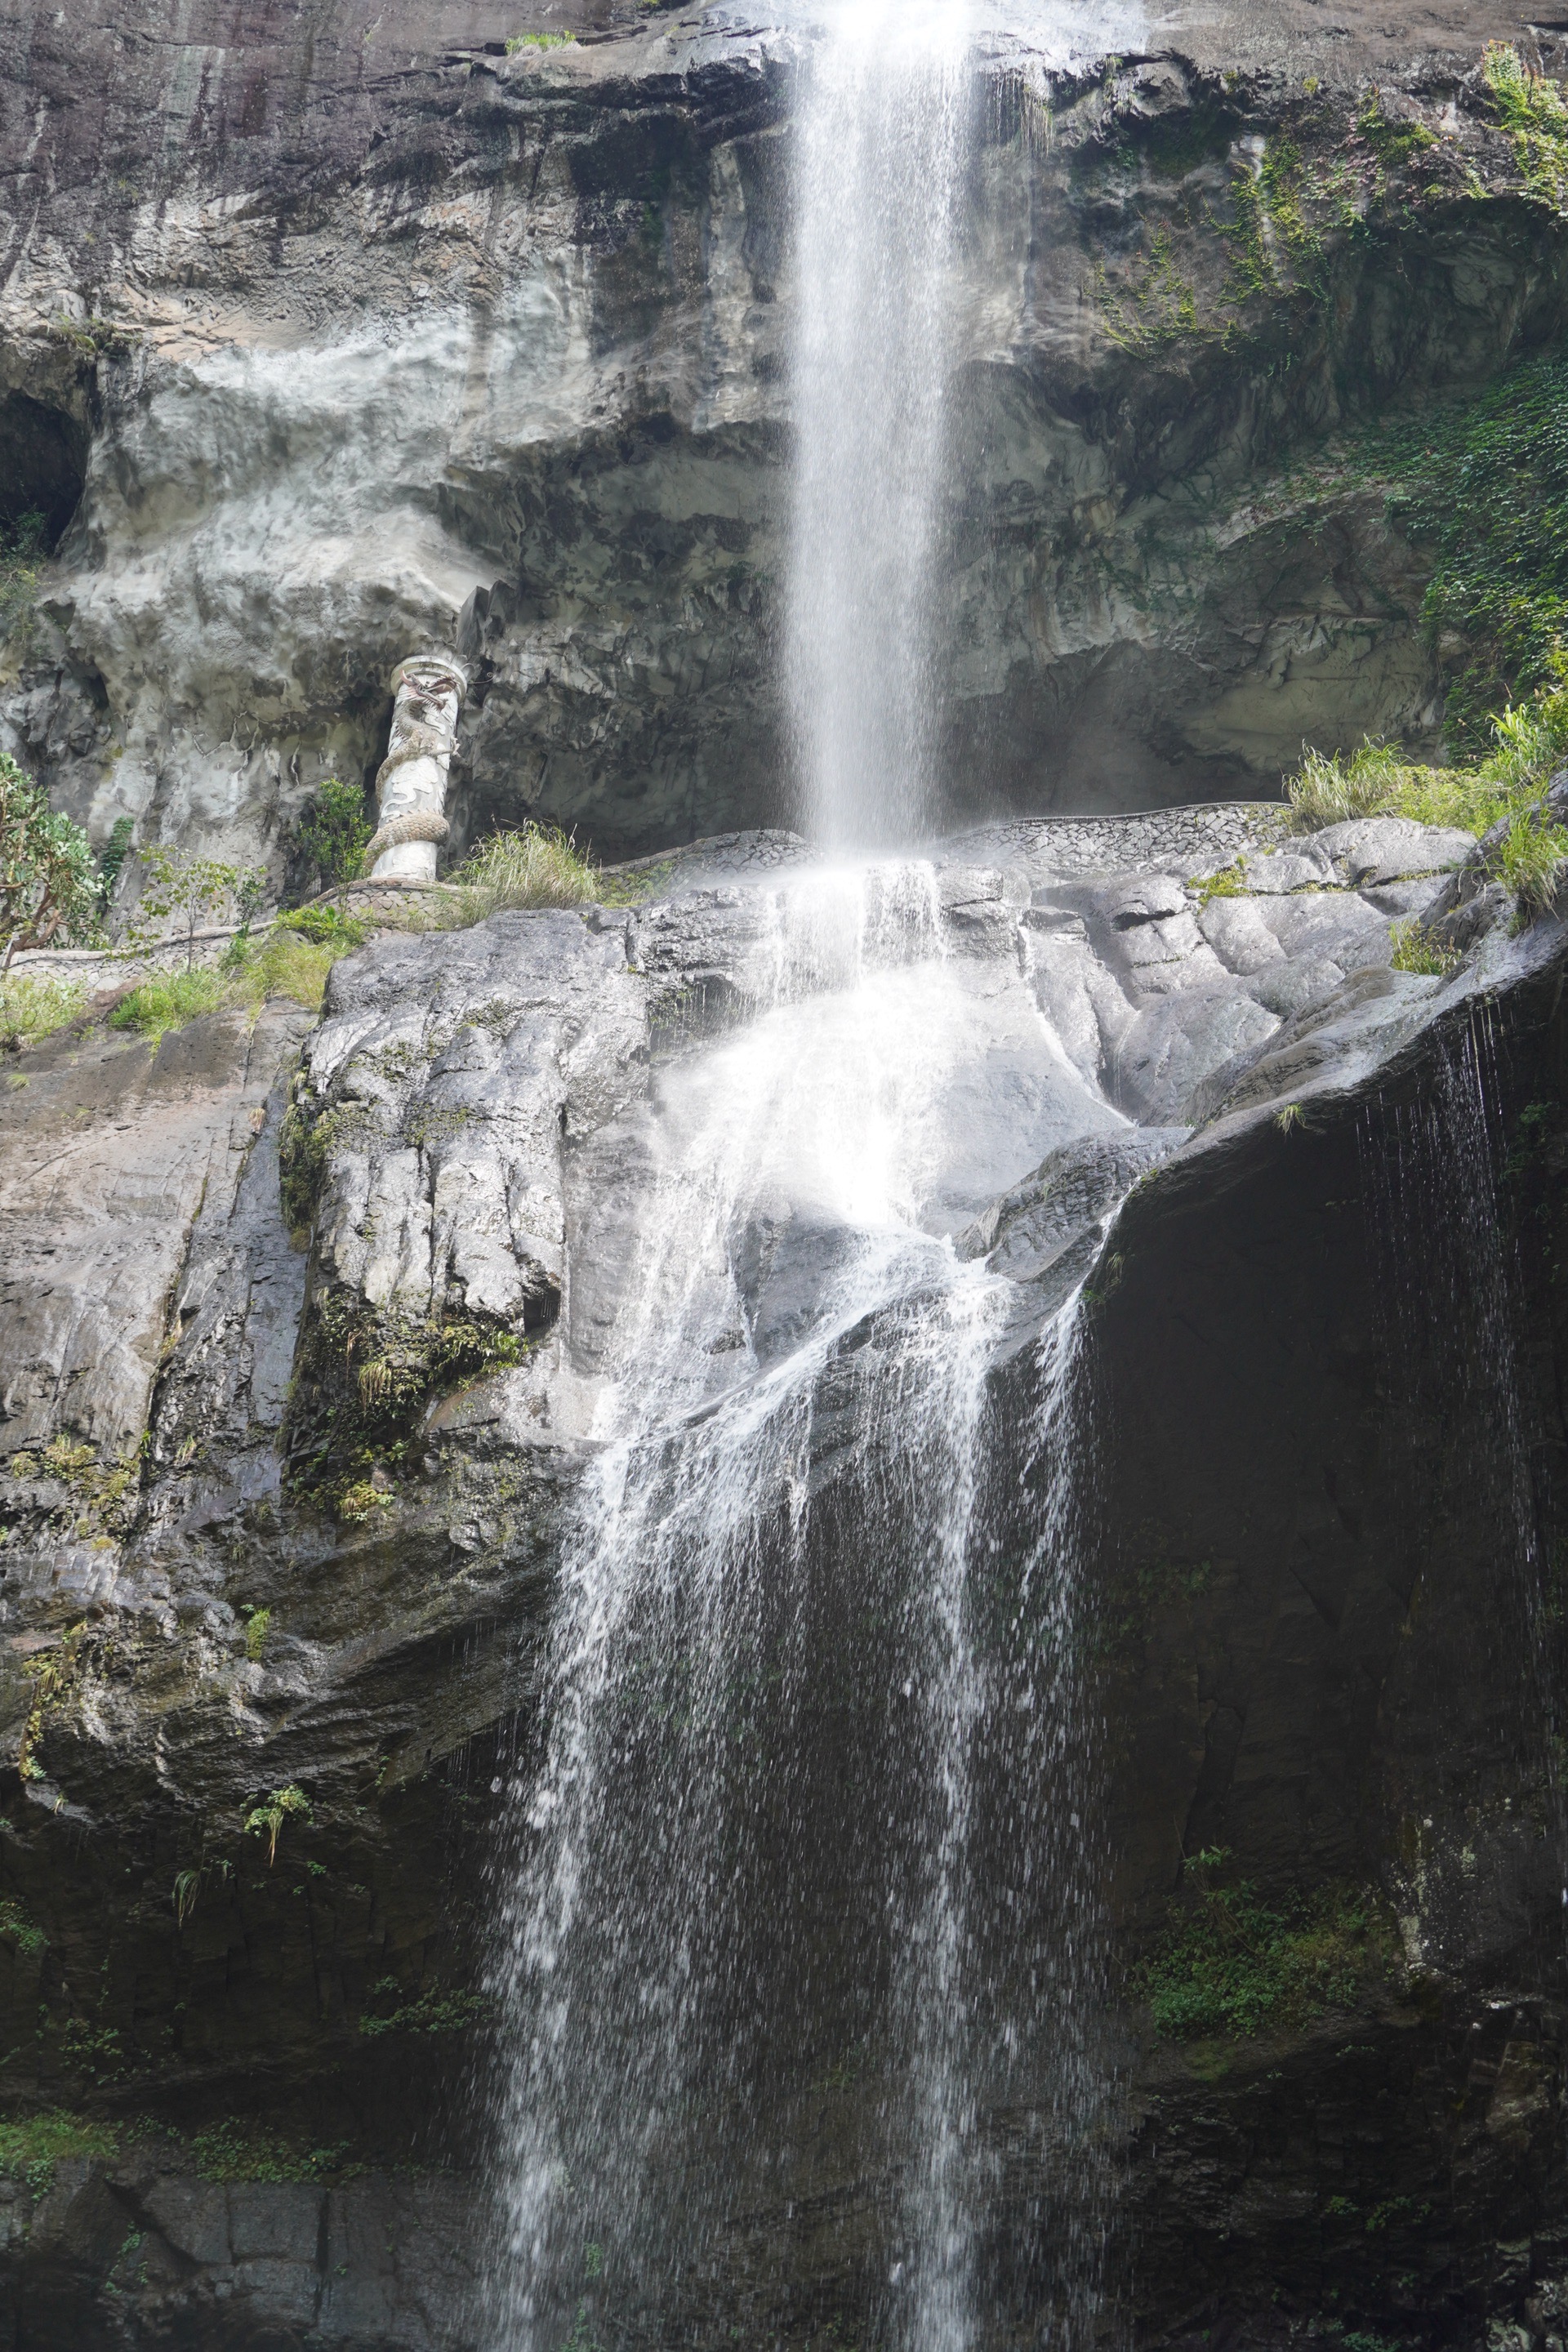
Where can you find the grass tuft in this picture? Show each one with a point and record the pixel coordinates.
(290, 965)
(1530, 739)
(1414, 949)
(538, 867)
(1333, 787)
(289, 962)
(1529, 859)
(169, 1001)
(539, 41)
(326, 925)
(30, 1008)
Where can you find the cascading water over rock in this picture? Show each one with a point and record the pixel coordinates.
(807, 1850)
(810, 1821)
(1451, 1283)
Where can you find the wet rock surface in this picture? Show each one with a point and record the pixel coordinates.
(304, 1548)
(320, 343)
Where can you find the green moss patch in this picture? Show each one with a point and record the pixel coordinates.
(233, 2150)
(31, 2145)
(1225, 882)
(366, 1379)
(1232, 1963)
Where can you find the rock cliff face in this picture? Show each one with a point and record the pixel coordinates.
(320, 341)
(323, 337)
(1326, 1647)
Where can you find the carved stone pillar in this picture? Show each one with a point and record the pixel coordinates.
(411, 784)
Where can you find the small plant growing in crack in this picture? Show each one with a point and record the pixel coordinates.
(266, 1820)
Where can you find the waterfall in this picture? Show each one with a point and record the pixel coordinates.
(799, 1910)
(1450, 1289)
(879, 163)
(808, 1833)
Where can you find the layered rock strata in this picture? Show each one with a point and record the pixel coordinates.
(316, 351)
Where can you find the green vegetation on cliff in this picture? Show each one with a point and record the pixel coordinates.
(1298, 199)
(365, 1377)
(31, 2145)
(23, 551)
(1529, 741)
(32, 1008)
(1476, 478)
(48, 881)
(1505, 788)
(1532, 111)
(334, 833)
(1484, 485)
(1415, 950)
(1231, 1962)
(286, 964)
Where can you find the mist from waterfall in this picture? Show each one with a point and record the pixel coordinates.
(880, 166)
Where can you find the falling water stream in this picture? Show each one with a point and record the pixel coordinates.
(797, 1939)
(879, 173)
(806, 1827)
(1451, 1281)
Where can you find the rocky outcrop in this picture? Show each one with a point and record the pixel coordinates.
(317, 352)
(278, 1555)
